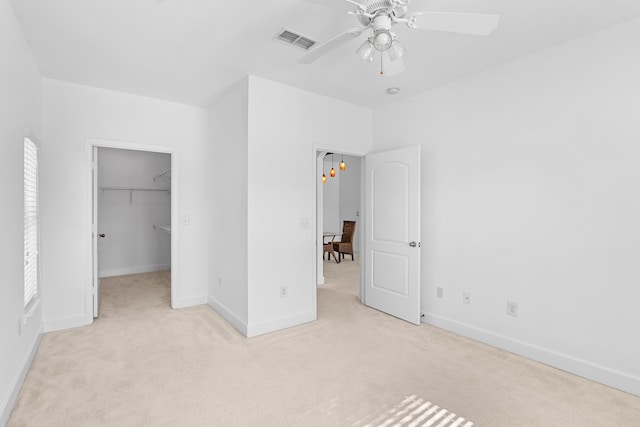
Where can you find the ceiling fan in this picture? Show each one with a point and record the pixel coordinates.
(381, 15)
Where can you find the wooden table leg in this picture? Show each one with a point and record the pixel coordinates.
(334, 256)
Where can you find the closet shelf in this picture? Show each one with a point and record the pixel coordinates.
(131, 190)
(163, 228)
(164, 175)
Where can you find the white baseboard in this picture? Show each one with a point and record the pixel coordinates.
(255, 329)
(602, 374)
(136, 269)
(228, 315)
(189, 301)
(67, 323)
(18, 380)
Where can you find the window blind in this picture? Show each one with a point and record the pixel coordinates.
(30, 221)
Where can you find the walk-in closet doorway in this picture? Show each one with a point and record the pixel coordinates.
(134, 205)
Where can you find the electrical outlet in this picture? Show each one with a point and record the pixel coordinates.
(439, 292)
(284, 292)
(466, 297)
(512, 308)
(305, 223)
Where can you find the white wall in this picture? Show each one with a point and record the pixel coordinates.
(227, 194)
(131, 244)
(20, 86)
(259, 243)
(530, 177)
(286, 127)
(72, 115)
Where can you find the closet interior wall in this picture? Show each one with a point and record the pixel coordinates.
(134, 211)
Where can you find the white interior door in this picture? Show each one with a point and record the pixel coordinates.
(392, 233)
(95, 237)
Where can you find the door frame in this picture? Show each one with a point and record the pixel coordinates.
(318, 216)
(90, 143)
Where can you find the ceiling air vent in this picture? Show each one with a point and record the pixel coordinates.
(294, 39)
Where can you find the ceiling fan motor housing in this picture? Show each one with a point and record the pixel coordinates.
(382, 8)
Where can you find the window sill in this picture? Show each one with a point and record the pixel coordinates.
(30, 310)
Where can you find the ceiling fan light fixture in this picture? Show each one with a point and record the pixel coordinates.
(365, 51)
(396, 51)
(382, 39)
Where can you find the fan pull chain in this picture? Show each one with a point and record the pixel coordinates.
(381, 64)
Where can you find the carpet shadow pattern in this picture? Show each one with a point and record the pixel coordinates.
(143, 364)
(413, 412)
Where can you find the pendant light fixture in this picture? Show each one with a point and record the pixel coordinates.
(332, 172)
(324, 177)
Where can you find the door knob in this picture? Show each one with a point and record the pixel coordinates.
(413, 244)
(101, 235)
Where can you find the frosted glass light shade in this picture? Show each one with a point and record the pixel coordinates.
(365, 51)
(396, 51)
(382, 40)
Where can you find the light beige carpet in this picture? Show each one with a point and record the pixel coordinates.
(142, 363)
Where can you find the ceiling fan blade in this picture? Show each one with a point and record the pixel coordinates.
(392, 68)
(327, 3)
(335, 4)
(326, 47)
(465, 23)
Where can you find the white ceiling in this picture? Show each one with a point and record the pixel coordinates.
(191, 51)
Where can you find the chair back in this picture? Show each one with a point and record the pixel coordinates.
(348, 229)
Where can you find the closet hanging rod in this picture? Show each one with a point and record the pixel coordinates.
(132, 189)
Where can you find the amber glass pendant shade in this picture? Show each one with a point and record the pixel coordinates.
(324, 178)
(332, 173)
